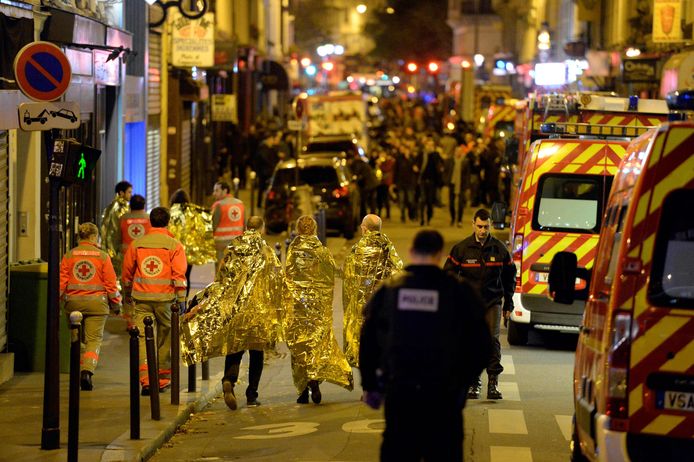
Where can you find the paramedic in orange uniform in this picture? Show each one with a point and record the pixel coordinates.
(134, 224)
(88, 285)
(154, 277)
(228, 217)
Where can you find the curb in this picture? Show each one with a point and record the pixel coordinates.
(154, 434)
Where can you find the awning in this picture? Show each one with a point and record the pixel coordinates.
(273, 76)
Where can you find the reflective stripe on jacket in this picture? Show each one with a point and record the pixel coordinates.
(154, 268)
(228, 218)
(86, 273)
(132, 226)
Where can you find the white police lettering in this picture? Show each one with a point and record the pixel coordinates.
(418, 300)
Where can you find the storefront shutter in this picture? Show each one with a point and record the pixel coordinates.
(4, 235)
(153, 165)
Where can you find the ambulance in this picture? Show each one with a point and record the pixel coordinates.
(634, 370)
(565, 180)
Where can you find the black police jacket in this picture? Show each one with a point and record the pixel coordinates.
(423, 329)
(486, 266)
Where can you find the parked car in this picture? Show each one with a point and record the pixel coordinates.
(330, 179)
(333, 145)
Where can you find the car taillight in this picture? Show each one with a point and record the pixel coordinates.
(517, 255)
(617, 407)
(340, 192)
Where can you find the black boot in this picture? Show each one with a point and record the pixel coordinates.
(86, 381)
(492, 390)
(474, 391)
(315, 391)
(303, 397)
(229, 396)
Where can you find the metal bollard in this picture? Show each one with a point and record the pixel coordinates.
(320, 221)
(134, 383)
(287, 241)
(192, 385)
(251, 176)
(236, 182)
(152, 369)
(175, 356)
(206, 370)
(73, 431)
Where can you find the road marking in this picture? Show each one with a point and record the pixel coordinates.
(564, 422)
(509, 367)
(364, 426)
(510, 454)
(510, 391)
(280, 430)
(507, 421)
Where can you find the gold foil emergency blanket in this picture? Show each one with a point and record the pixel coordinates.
(242, 308)
(310, 271)
(110, 228)
(370, 261)
(192, 226)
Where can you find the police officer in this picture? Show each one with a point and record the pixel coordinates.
(88, 285)
(110, 223)
(485, 261)
(228, 217)
(154, 277)
(423, 343)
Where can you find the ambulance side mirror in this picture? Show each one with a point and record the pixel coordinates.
(562, 277)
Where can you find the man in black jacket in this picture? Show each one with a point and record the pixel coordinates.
(423, 342)
(484, 261)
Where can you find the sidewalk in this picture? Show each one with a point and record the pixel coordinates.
(104, 433)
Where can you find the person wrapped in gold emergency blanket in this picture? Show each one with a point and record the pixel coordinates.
(372, 259)
(192, 226)
(316, 356)
(242, 309)
(110, 224)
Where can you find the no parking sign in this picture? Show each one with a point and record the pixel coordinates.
(42, 71)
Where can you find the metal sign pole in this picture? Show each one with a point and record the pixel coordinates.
(50, 432)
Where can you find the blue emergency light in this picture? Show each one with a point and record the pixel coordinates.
(680, 100)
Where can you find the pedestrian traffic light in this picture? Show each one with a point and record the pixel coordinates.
(411, 67)
(72, 161)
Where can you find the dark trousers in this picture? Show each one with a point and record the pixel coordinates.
(426, 202)
(409, 435)
(255, 370)
(493, 318)
(456, 202)
(382, 199)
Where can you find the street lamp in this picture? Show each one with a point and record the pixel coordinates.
(361, 8)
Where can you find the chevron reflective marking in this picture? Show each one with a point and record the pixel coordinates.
(635, 400)
(612, 170)
(663, 424)
(654, 337)
(683, 361)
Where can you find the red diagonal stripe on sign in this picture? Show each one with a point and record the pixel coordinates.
(43, 72)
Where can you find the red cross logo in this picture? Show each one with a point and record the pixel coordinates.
(152, 266)
(234, 213)
(136, 230)
(83, 270)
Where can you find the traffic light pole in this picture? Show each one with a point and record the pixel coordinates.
(50, 432)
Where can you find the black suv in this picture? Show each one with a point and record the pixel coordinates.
(333, 145)
(329, 177)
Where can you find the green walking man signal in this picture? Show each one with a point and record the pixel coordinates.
(72, 161)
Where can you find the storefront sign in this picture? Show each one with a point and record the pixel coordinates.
(640, 70)
(667, 19)
(192, 41)
(224, 108)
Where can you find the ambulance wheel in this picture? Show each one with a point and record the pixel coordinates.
(517, 333)
(575, 445)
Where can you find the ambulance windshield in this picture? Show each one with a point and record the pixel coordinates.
(672, 277)
(569, 203)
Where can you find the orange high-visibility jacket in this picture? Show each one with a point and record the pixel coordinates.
(154, 268)
(228, 218)
(133, 224)
(86, 273)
